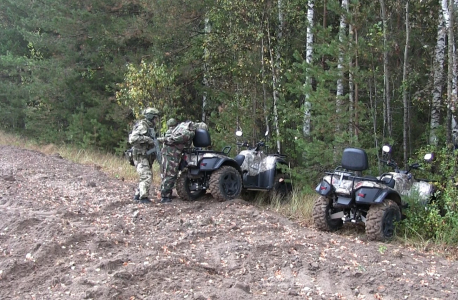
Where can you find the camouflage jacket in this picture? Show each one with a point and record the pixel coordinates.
(138, 138)
(181, 136)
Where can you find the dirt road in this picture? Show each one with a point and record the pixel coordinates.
(69, 231)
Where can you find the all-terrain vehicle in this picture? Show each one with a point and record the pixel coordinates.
(348, 196)
(202, 169)
(205, 170)
(263, 172)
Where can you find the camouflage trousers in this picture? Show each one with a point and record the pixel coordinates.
(144, 172)
(169, 170)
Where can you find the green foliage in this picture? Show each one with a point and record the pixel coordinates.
(438, 219)
(148, 84)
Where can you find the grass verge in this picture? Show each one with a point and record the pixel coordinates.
(113, 165)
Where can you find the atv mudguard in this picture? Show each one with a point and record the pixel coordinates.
(207, 164)
(368, 195)
(324, 188)
(264, 180)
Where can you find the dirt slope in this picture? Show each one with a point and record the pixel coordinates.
(68, 231)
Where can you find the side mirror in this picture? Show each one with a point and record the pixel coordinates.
(429, 157)
(386, 148)
(238, 133)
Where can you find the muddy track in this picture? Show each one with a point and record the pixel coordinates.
(69, 231)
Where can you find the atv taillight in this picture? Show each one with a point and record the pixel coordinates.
(203, 164)
(361, 195)
(322, 188)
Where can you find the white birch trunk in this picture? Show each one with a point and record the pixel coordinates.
(386, 78)
(205, 75)
(308, 61)
(438, 76)
(340, 88)
(451, 56)
(264, 89)
(404, 85)
(455, 74)
(351, 88)
(276, 73)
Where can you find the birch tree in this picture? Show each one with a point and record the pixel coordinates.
(438, 72)
(340, 88)
(276, 69)
(308, 61)
(386, 79)
(451, 56)
(404, 85)
(205, 70)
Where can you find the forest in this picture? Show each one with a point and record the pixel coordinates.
(317, 75)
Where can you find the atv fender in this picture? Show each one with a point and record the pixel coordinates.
(213, 163)
(324, 188)
(369, 196)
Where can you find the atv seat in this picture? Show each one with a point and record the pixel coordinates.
(201, 138)
(355, 159)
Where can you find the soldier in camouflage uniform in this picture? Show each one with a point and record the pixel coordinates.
(141, 139)
(181, 137)
(171, 124)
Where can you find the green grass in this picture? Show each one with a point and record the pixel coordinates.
(113, 165)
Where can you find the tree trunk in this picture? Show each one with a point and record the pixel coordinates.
(451, 56)
(308, 61)
(264, 88)
(340, 88)
(206, 70)
(404, 86)
(386, 79)
(438, 73)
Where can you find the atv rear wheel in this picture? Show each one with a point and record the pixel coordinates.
(188, 189)
(322, 210)
(282, 188)
(381, 220)
(225, 183)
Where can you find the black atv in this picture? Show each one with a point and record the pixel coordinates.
(346, 195)
(203, 170)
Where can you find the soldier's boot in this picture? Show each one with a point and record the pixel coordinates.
(144, 200)
(165, 198)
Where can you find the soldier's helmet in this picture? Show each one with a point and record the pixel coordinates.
(172, 122)
(150, 113)
(200, 125)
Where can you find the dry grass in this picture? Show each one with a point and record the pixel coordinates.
(298, 208)
(111, 164)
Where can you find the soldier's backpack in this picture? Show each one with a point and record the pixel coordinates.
(182, 134)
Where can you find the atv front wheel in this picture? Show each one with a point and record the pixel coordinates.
(381, 220)
(225, 183)
(322, 211)
(188, 189)
(282, 188)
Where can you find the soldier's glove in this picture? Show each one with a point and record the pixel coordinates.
(161, 139)
(148, 140)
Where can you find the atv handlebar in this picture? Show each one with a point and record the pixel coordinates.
(256, 148)
(393, 164)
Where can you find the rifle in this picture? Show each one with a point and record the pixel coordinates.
(157, 148)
